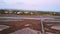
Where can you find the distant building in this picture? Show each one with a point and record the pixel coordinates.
(19, 12)
(10, 11)
(26, 12)
(6, 12)
(31, 13)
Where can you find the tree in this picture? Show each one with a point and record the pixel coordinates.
(2, 11)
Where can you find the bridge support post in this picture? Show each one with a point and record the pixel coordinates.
(42, 26)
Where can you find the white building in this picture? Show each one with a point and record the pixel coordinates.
(26, 12)
(6, 12)
(10, 12)
(19, 12)
(31, 13)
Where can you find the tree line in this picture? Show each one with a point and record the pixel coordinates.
(18, 12)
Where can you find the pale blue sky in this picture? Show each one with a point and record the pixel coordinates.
(42, 5)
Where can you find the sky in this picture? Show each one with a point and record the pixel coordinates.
(41, 5)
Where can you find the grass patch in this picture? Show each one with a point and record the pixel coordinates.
(3, 19)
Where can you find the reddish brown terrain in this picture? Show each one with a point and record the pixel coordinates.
(20, 24)
(17, 25)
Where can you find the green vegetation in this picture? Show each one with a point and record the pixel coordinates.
(3, 19)
(1, 11)
(29, 13)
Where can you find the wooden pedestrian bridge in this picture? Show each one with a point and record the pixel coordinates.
(52, 25)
